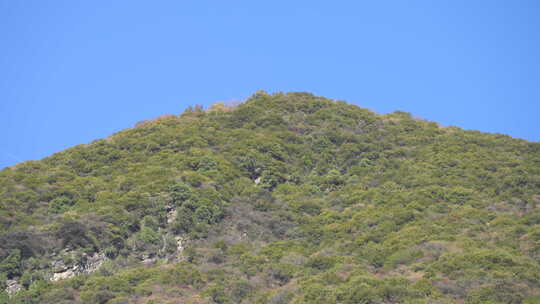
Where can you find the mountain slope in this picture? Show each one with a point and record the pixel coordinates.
(286, 198)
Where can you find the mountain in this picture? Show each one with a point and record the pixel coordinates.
(285, 198)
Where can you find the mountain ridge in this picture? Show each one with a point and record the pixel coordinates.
(285, 198)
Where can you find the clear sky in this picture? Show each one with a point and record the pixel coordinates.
(75, 71)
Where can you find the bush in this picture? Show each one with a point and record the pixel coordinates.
(60, 204)
(241, 290)
(11, 266)
(283, 273)
(148, 236)
(217, 294)
(321, 263)
(180, 192)
(76, 235)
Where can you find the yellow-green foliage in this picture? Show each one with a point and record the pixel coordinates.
(286, 198)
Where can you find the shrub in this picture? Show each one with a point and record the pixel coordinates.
(283, 273)
(11, 266)
(241, 290)
(320, 262)
(60, 204)
(180, 192)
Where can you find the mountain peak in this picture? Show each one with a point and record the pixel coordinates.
(282, 198)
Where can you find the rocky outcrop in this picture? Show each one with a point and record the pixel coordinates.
(63, 271)
(65, 274)
(171, 215)
(181, 242)
(12, 286)
(94, 262)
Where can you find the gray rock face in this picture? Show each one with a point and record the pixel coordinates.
(59, 266)
(62, 271)
(94, 262)
(12, 286)
(181, 242)
(66, 274)
(171, 216)
(149, 261)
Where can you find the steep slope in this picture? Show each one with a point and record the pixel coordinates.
(286, 198)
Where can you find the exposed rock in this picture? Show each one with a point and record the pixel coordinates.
(180, 240)
(149, 261)
(180, 246)
(257, 180)
(66, 274)
(62, 271)
(94, 262)
(12, 286)
(59, 266)
(171, 216)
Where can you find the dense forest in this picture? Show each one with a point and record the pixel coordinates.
(285, 198)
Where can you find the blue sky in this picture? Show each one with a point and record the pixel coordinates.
(75, 71)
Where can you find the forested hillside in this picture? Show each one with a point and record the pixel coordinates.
(285, 198)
